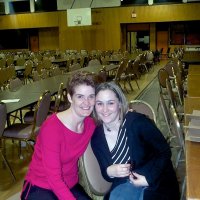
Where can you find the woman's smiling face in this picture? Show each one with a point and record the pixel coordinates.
(107, 106)
(83, 100)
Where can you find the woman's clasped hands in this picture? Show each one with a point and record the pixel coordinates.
(118, 170)
(138, 180)
(123, 170)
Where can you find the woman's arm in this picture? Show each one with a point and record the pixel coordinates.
(156, 146)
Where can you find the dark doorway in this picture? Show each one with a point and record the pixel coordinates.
(137, 36)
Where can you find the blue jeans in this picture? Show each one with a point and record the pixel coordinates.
(33, 192)
(127, 191)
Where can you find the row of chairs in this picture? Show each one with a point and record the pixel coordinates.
(9, 73)
(174, 88)
(129, 70)
(171, 103)
(5, 62)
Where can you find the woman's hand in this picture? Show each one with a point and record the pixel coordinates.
(138, 180)
(118, 170)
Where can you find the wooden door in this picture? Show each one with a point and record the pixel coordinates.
(162, 40)
(34, 43)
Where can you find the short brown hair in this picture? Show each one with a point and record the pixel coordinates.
(80, 78)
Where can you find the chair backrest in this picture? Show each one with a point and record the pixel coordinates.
(170, 93)
(56, 71)
(179, 88)
(128, 69)
(46, 63)
(2, 62)
(170, 66)
(15, 84)
(168, 50)
(92, 173)
(3, 78)
(150, 56)
(44, 73)
(143, 107)
(94, 62)
(119, 72)
(59, 97)
(42, 108)
(165, 109)
(11, 73)
(167, 117)
(39, 67)
(20, 61)
(178, 129)
(10, 61)
(3, 114)
(136, 66)
(102, 75)
(162, 76)
(75, 66)
(36, 76)
(28, 68)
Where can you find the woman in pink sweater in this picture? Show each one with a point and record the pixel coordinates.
(63, 138)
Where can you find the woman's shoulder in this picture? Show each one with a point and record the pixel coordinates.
(52, 119)
(136, 118)
(51, 128)
(134, 115)
(98, 132)
(89, 125)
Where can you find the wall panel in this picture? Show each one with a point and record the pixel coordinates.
(48, 38)
(105, 33)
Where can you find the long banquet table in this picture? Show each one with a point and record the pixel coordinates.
(192, 102)
(194, 69)
(191, 58)
(192, 155)
(29, 94)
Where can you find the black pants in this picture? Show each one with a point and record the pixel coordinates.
(32, 192)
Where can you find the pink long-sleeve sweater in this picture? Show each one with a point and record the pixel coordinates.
(54, 163)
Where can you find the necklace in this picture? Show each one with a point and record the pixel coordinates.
(108, 129)
(112, 128)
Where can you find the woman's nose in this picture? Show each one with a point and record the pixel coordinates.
(105, 108)
(86, 101)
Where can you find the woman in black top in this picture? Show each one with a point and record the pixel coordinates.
(121, 138)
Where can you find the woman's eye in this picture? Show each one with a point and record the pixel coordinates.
(98, 104)
(79, 96)
(92, 97)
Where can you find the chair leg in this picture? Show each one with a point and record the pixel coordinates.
(129, 82)
(8, 166)
(125, 87)
(137, 84)
(183, 189)
(20, 150)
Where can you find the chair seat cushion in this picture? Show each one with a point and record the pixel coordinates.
(19, 131)
(29, 117)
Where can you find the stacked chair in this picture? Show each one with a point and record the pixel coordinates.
(171, 103)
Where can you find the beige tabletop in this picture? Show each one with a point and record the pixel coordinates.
(192, 156)
(193, 88)
(191, 57)
(194, 69)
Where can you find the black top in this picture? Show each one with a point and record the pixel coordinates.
(150, 153)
